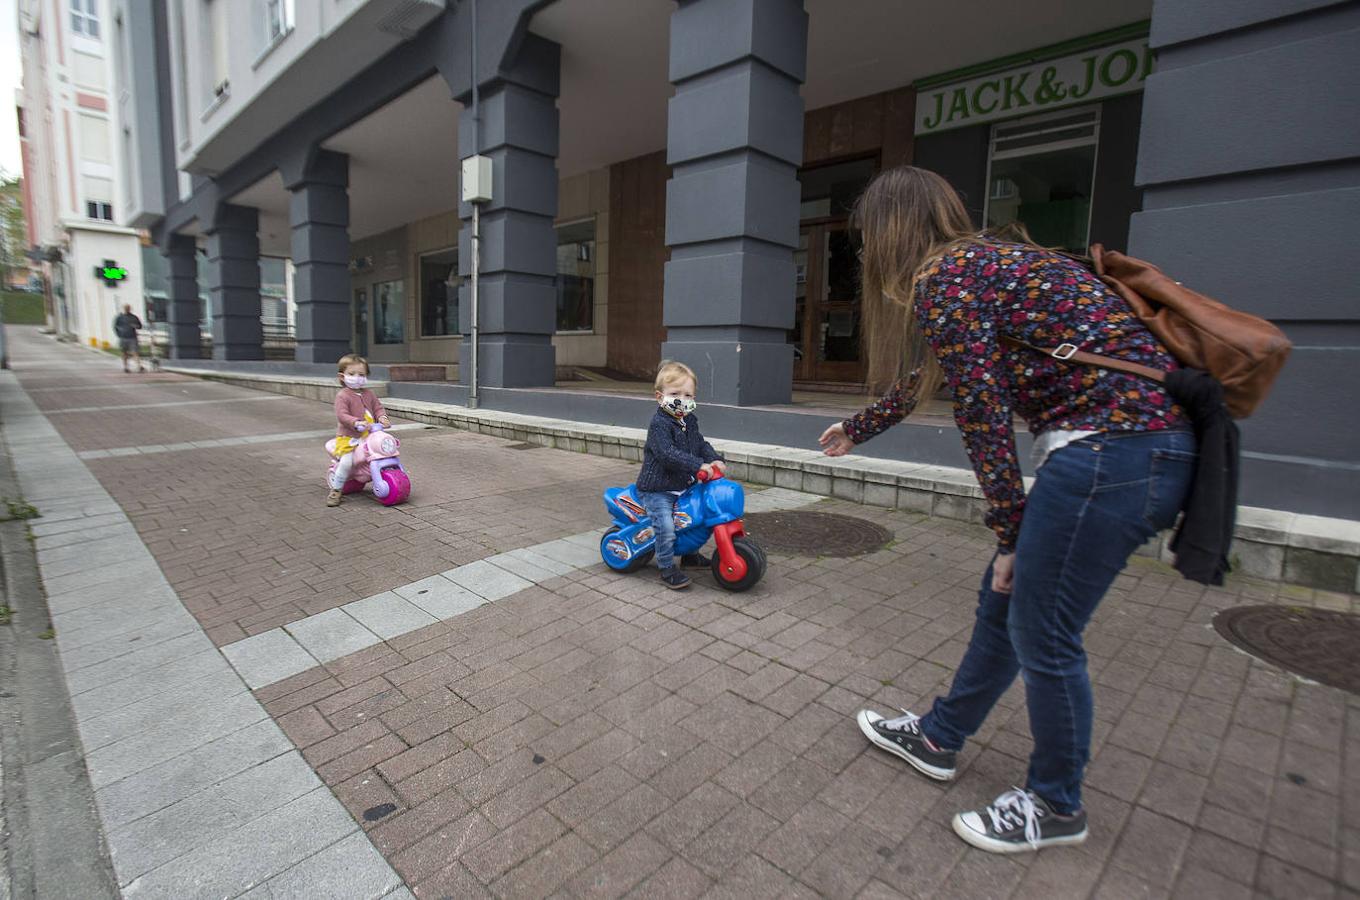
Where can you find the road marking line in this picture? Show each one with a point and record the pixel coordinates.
(121, 406)
(212, 443)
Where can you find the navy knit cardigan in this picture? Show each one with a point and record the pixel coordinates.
(673, 454)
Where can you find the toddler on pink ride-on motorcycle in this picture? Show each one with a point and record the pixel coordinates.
(361, 450)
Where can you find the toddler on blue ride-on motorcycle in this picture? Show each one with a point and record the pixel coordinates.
(678, 500)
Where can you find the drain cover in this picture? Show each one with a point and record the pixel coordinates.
(805, 533)
(1316, 643)
(523, 446)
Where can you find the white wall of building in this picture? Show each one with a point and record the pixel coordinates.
(93, 304)
(257, 64)
(74, 157)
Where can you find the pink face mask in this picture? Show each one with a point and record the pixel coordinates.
(355, 382)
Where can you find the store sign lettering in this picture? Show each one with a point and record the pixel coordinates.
(1106, 72)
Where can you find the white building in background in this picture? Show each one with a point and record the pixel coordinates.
(72, 157)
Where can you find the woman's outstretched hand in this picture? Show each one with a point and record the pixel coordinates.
(835, 442)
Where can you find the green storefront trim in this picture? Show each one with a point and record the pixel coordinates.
(1052, 51)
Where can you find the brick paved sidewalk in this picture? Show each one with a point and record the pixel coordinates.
(596, 735)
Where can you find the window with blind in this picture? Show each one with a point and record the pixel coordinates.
(1041, 173)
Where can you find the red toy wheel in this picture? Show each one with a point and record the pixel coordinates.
(398, 487)
(734, 579)
(353, 486)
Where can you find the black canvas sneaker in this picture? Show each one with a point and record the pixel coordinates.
(902, 737)
(674, 579)
(1018, 822)
(695, 561)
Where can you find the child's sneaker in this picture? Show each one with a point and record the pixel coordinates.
(695, 561)
(333, 498)
(674, 579)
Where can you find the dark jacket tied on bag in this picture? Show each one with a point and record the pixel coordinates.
(1205, 532)
(1230, 360)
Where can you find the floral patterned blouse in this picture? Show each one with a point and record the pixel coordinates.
(977, 292)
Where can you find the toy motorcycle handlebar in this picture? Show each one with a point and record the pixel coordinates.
(701, 475)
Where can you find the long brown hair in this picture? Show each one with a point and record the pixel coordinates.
(907, 218)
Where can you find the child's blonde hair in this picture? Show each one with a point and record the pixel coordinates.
(350, 359)
(671, 371)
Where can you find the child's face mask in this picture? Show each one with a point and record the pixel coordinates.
(677, 405)
(355, 382)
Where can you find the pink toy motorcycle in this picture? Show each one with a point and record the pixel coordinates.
(376, 459)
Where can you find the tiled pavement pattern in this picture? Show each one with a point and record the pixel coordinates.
(200, 793)
(279, 653)
(595, 735)
(242, 532)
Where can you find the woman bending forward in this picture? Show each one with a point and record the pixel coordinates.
(1114, 456)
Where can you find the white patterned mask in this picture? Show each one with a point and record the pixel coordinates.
(678, 406)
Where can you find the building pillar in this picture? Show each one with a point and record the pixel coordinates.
(234, 282)
(182, 311)
(319, 214)
(1281, 184)
(517, 308)
(735, 141)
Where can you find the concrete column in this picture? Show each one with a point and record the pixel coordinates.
(1231, 202)
(234, 282)
(735, 141)
(319, 214)
(182, 310)
(518, 300)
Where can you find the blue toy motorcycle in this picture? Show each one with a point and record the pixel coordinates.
(710, 507)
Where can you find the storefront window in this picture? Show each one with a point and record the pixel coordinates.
(361, 321)
(439, 293)
(840, 299)
(576, 276)
(274, 296)
(1041, 174)
(155, 287)
(826, 332)
(831, 191)
(800, 290)
(389, 312)
(204, 304)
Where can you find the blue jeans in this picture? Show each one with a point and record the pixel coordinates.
(1095, 502)
(660, 506)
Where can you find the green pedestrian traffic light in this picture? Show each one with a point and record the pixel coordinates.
(111, 273)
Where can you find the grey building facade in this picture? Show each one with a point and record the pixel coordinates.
(722, 141)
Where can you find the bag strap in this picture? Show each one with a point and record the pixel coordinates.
(1070, 353)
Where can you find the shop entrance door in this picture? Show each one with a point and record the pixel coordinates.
(826, 335)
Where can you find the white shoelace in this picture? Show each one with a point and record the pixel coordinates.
(905, 722)
(1015, 807)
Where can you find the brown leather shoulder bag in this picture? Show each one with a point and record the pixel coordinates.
(1244, 352)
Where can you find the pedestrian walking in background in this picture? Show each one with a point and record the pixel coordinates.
(1114, 456)
(125, 327)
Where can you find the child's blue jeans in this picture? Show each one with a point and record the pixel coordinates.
(660, 506)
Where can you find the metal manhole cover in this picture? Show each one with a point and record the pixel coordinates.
(1316, 643)
(523, 446)
(805, 533)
